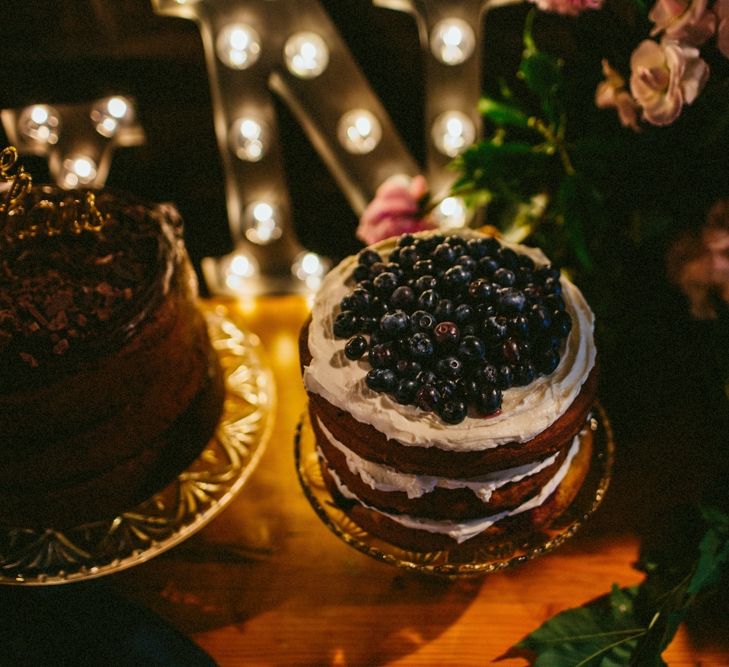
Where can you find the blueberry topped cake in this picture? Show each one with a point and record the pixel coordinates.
(450, 379)
(109, 386)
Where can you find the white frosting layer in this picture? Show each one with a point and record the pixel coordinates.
(387, 479)
(461, 531)
(525, 412)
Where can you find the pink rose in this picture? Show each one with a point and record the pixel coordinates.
(567, 7)
(721, 8)
(686, 20)
(612, 93)
(664, 77)
(395, 210)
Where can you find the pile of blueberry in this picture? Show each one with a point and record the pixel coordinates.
(447, 323)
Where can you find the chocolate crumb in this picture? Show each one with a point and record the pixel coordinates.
(29, 359)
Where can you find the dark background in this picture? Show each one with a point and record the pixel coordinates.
(78, 50)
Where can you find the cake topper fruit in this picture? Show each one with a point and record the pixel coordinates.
(447, 324)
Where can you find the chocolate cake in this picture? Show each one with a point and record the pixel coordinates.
(109, 386)
(450, 382)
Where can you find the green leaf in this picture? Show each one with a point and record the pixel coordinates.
(542, 74)
(713, 551)
(602, 633)
(502, 114)
(582, 208)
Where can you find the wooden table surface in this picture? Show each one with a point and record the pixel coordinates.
(266, 583)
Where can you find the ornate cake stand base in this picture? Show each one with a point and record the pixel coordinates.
(44, 557)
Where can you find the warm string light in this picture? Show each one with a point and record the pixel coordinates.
(77, 139)
(452, 41)
(261, 223)
(451, 213)
(238, 46)
(310, 268)
(307, 55)
(359, 131)
(249, 139)
(453, 132)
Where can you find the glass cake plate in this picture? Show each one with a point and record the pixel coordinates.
(463, 560)
(34, 557)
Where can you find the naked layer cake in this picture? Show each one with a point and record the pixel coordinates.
(450, 381)
(109, 386)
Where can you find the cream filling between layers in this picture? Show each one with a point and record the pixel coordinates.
(526, 411)
(384, 478)
(461, 531)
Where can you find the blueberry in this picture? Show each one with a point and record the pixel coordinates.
(428, 300)
(424, 267)
(507, 258)
(405, 391)
(405, 240)
(408, 370)
(456, 278)
(547, 362)
(452, 412)
(424, 283)
(422, 320)
(369, 324)
(561, 323)
(486, 375)
(468, 263)
(456, 242)
(488, 401)
(469, 388)
(509, 300)
(511, 351)
(495, 329)
(381, 379)
(444, 254)
(361, 272)
(385, 283)
(382, 355)
(545, 272)
(471, 348)
(368, 257)
(485, 310)
(355, 347)
(420, 346)
(427, 398)
(506, 376)
(449, 367)
(395, 323)
(552, 286)
(346, 324)
(449, 390)
(554, 302)
(477, 248)
(524, 276)
(377, 268)
(408, 256)
(487, 266)
(463, 313)
(526, 262)
(505, 277)
(403, 297)
(361, 301)
(443, 310)
(426, 377)
(519, 326)
(447, 334)
(480, 290)
(469, 329)
(524, 374)
(540, 319)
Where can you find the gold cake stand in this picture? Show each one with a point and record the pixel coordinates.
(34, 557)
(463, 560)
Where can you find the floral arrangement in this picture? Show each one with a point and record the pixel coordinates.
(606, 148)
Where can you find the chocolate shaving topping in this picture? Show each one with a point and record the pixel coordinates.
(68, 297)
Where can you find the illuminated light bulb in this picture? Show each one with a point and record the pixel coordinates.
(238, 46)
(310, 268)
(452, 41)
(307, 55)
(40, 123)
(241, 268)
(453, 132)
(451, 213)
(261, 223)
(111, 113)
(249, 139)
(78, 170)
(359, 131)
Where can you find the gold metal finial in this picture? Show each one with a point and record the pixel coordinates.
(20, 180)
(46, 217)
